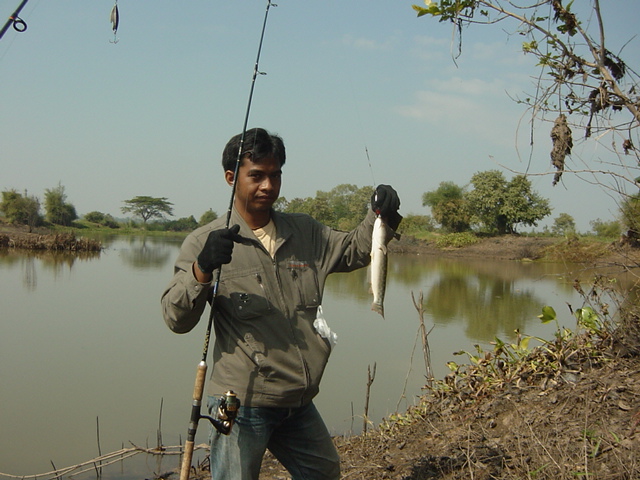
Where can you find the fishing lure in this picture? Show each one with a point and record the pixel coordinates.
(115, 20)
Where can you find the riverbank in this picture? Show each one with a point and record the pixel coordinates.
(45, 239)
(527, 248)
(568, 410)
(506, 247)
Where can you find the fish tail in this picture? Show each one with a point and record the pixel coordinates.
(378, 308)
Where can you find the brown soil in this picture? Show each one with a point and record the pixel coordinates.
(516, 247)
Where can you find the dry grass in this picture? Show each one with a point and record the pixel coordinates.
(50, 242)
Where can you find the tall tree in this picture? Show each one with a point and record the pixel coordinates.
(21, 209)
(207, 217)
(343, 207)
(57, 209)
(147, 207)
(448, 206)
(498, 206)
(584, 84)
(563, 224)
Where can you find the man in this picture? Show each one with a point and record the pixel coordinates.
(273, 270)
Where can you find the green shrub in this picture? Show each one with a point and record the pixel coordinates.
(456, 240)
(94, 217)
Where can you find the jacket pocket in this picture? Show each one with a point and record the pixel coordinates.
(305, 285)
(248, 294)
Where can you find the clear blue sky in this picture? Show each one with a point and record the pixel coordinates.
(151, 114)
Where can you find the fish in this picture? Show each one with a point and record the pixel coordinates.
(379, 243)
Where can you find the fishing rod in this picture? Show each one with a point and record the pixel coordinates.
(18, 24)
(229, 402)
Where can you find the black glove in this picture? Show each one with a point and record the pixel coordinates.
(218, 248)
(385, 202)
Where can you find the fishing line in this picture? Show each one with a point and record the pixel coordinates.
(228, 403)
(361, 128)
(356, 103)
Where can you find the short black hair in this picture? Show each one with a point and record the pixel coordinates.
(257, 144)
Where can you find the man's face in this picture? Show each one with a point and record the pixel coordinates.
(257, 186)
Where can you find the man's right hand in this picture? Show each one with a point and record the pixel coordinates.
(217, 249)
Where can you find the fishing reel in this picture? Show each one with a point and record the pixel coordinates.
(226, 414)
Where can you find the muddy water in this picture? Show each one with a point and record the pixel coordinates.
(83, 345)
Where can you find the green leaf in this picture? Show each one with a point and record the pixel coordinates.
(524, 343)
(432, 9)
(548, 314)
(588, 317)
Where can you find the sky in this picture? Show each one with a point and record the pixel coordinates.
(150, 114)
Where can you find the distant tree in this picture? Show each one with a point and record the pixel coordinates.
(94, 217)
(110, 222)
(185, 224)
(281, 204)
(315, 207)
(416, 224)
(448, 206)
(563, 224)
(498, 205)
(208, 217)
(349, 205)
(100, 218)
(148, 207)
(21, 209)
(58, 210)
(610, 229)
(342, 208)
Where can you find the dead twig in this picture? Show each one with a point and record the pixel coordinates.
(370, 378)
(426, 351)
(105, 460)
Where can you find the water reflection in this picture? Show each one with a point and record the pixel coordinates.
(54, 262)
(145, 253)
(490, 298)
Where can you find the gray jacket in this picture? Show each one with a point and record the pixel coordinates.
(266, 348)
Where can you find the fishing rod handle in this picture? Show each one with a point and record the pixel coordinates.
(198, 391)
(198, 388)
(185, 469)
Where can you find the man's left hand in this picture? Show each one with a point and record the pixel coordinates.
(385, 202)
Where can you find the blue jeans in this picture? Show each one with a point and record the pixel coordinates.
(297, 437)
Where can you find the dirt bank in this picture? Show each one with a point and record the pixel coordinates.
(579, 419)
(21, 237)
(516, 247)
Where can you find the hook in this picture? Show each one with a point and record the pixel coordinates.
(115, 20)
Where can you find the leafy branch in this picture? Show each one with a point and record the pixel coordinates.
(582, 83)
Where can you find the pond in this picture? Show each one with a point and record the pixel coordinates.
(86, 356)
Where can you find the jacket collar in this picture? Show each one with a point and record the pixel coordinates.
(283, 229)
